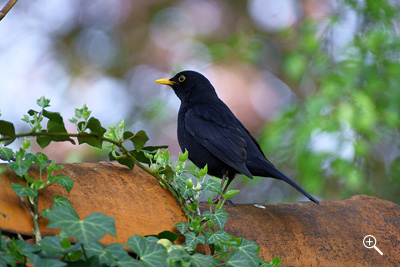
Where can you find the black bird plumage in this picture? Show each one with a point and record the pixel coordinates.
(212, 135)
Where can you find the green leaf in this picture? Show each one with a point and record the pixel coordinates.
(183, 157)
(52, 246)
(220, 217)
(55, 117)
(7, 130)
(96, 249)
(182, 227)
(116, 249)
(122, 160)
(41, 160)
(231, 193)
(6, 153)
(191, 240)
(90, 140)
(53, 167)
(23, 191)
(171, 236)
(36, 260)
(83, 113)
(151, 254)
(139, 140)
(54, 125)
(273, 263)
(26, 144)
(200, 260)
(203, 171)
(43, 102)
(20, 166)
(168, 172)
(245, 255)
(91, 262)
(153, 148)
(61, 201)
(73, 121)
(92, 228)
(220, 235)
(43, 141)
(212, 186)
(63, 180)
(95, 127)
(140, 156)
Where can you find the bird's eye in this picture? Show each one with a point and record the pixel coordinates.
(181, 78)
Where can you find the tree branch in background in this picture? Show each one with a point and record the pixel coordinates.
(7, 8)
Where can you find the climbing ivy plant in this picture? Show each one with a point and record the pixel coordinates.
(159, 249)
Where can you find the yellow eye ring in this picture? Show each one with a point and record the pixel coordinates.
(181, 78)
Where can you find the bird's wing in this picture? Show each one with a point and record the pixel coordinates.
(220, 133)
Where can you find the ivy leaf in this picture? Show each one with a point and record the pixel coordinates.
(139, 140)
(54, 125)
(6, 153)
(43, 141)
(219, 235)
(168, 172)
(140, 156)
(199, 260)
(124, 161)
(96, 249)
(90, 140)
(95, 127)
(182, 227)
(245, 255)
(219, 217)
(63, 180)
(55, 117)
(116, 249)
(7, 130)
(52, 246)
(212, 186)
(23, 191)
(273, 263)
(231, 193)
(151, 254)
(154, 148)
(43, 102)
(183, 157)
(61, 201)
(36, 260)
(171, 236)
(41, 160)
(203, 171)
(20, 166)
(191, 240)
(92, 228)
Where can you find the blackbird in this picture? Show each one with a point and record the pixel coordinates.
(212, 135)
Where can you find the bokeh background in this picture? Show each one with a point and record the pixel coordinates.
(317, 82)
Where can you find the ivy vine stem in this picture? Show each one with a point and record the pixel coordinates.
(123, 151)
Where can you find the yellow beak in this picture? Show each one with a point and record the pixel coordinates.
(165, 81)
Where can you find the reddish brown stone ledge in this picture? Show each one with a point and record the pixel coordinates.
(301, 234)
(134, 198)
(329, 234)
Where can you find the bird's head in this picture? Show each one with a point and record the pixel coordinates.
(190, 85)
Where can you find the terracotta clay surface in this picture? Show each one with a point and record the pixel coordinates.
(134, 198)
(301, 234)
(329, 234)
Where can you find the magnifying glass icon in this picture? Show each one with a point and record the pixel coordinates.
(369, 241)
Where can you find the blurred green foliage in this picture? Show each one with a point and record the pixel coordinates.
(340, 59)
(356, 102)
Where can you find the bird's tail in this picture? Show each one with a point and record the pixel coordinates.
(279, 175)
